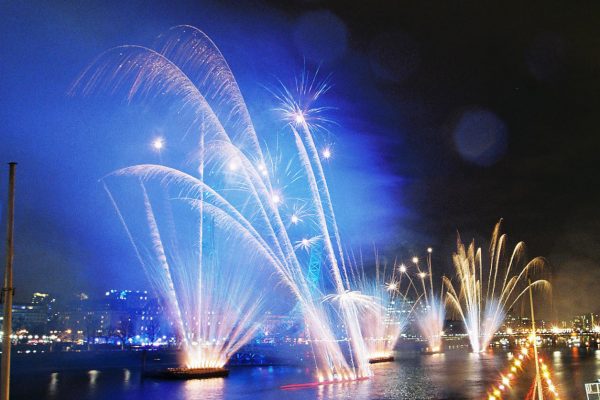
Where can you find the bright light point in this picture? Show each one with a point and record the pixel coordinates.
(263, 169)
(402, 268)
(392, 286)
(415, 260)
(429, 250)
(276, 199)
(422, 275)
(305, 242)
(295, 219)
(505, 381)
(233, 166)
(326, 154)
(158, 144)
(299, 118)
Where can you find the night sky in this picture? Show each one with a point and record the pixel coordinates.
(450, 115)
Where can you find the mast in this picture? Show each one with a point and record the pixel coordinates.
(8, 290)
(538, 381)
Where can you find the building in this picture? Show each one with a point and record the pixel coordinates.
(32, 317)
(585, 322)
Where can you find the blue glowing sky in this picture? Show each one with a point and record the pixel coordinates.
(447, 118)
(65, 224)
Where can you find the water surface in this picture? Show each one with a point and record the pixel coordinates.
(453, 375)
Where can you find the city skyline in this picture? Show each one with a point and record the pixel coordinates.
(44, 316)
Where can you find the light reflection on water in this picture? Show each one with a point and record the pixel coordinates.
(126, 376)
(93, 374)
(203, 389)
(53, 383)
(453, 375)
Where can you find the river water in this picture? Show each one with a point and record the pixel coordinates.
(456, 374)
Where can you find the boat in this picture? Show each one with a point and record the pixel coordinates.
(188, 373)
(382, 359)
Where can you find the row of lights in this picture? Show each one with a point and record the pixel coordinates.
(515, 368)
(506, 379)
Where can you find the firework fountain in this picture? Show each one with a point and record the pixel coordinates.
(231, 185)
(214, 297)
(430, 318)
(487, 291)
(384, 310)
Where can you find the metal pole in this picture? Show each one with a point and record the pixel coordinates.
(8, 290)
(538, 380)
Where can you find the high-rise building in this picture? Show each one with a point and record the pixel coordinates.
(32, 317)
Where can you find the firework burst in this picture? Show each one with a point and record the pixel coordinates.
(486, 291)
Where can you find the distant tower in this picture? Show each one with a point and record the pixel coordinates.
(314, 265)
(313, 276)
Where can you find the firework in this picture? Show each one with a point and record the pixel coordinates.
(486, 291)
(384, 306)
(430, 318)
(233, 184)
